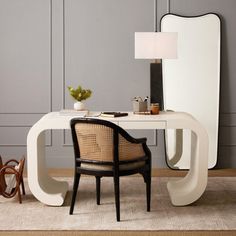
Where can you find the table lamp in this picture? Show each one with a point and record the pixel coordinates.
(156, 45)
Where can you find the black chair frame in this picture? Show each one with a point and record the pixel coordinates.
(144, 170)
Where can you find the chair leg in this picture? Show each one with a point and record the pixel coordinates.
(19, 195)
(148, 189)
(117, 196)
(75, 188)
(22, 186)
(144, 176)
(98, 188)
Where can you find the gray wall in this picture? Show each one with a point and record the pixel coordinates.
(47, 45)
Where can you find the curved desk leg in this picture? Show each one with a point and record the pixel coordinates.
(43, 187)
(178, 148)
(188, 189)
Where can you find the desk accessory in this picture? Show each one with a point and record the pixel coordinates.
(142, 113)
(140, 105)
(155, 108)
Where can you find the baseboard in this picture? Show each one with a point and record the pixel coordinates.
(164, 172)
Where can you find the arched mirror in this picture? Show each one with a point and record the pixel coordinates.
(191, 83)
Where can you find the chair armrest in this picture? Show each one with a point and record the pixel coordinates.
(141, 140)
(136, 140)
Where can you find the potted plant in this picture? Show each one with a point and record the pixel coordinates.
(79, 95)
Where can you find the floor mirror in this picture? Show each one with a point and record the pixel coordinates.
(191, 83)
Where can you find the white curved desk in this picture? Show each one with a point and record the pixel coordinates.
(182, 192)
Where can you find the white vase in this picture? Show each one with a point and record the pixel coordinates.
(79, 106)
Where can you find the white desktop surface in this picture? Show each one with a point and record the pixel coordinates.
(182, 192)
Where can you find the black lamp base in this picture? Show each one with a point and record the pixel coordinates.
(156, 84)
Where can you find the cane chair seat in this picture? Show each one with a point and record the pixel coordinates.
(128, 166)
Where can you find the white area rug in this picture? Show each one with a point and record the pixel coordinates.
(215, 210)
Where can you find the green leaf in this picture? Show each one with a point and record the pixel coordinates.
(79, 94)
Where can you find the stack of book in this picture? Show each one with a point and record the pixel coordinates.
(113, 114)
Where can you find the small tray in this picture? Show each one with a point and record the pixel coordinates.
(142, 112)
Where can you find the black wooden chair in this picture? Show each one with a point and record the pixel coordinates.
(104, 149)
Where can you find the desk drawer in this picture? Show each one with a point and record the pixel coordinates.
(142, 124)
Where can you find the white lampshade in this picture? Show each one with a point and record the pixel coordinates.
(155, 45)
